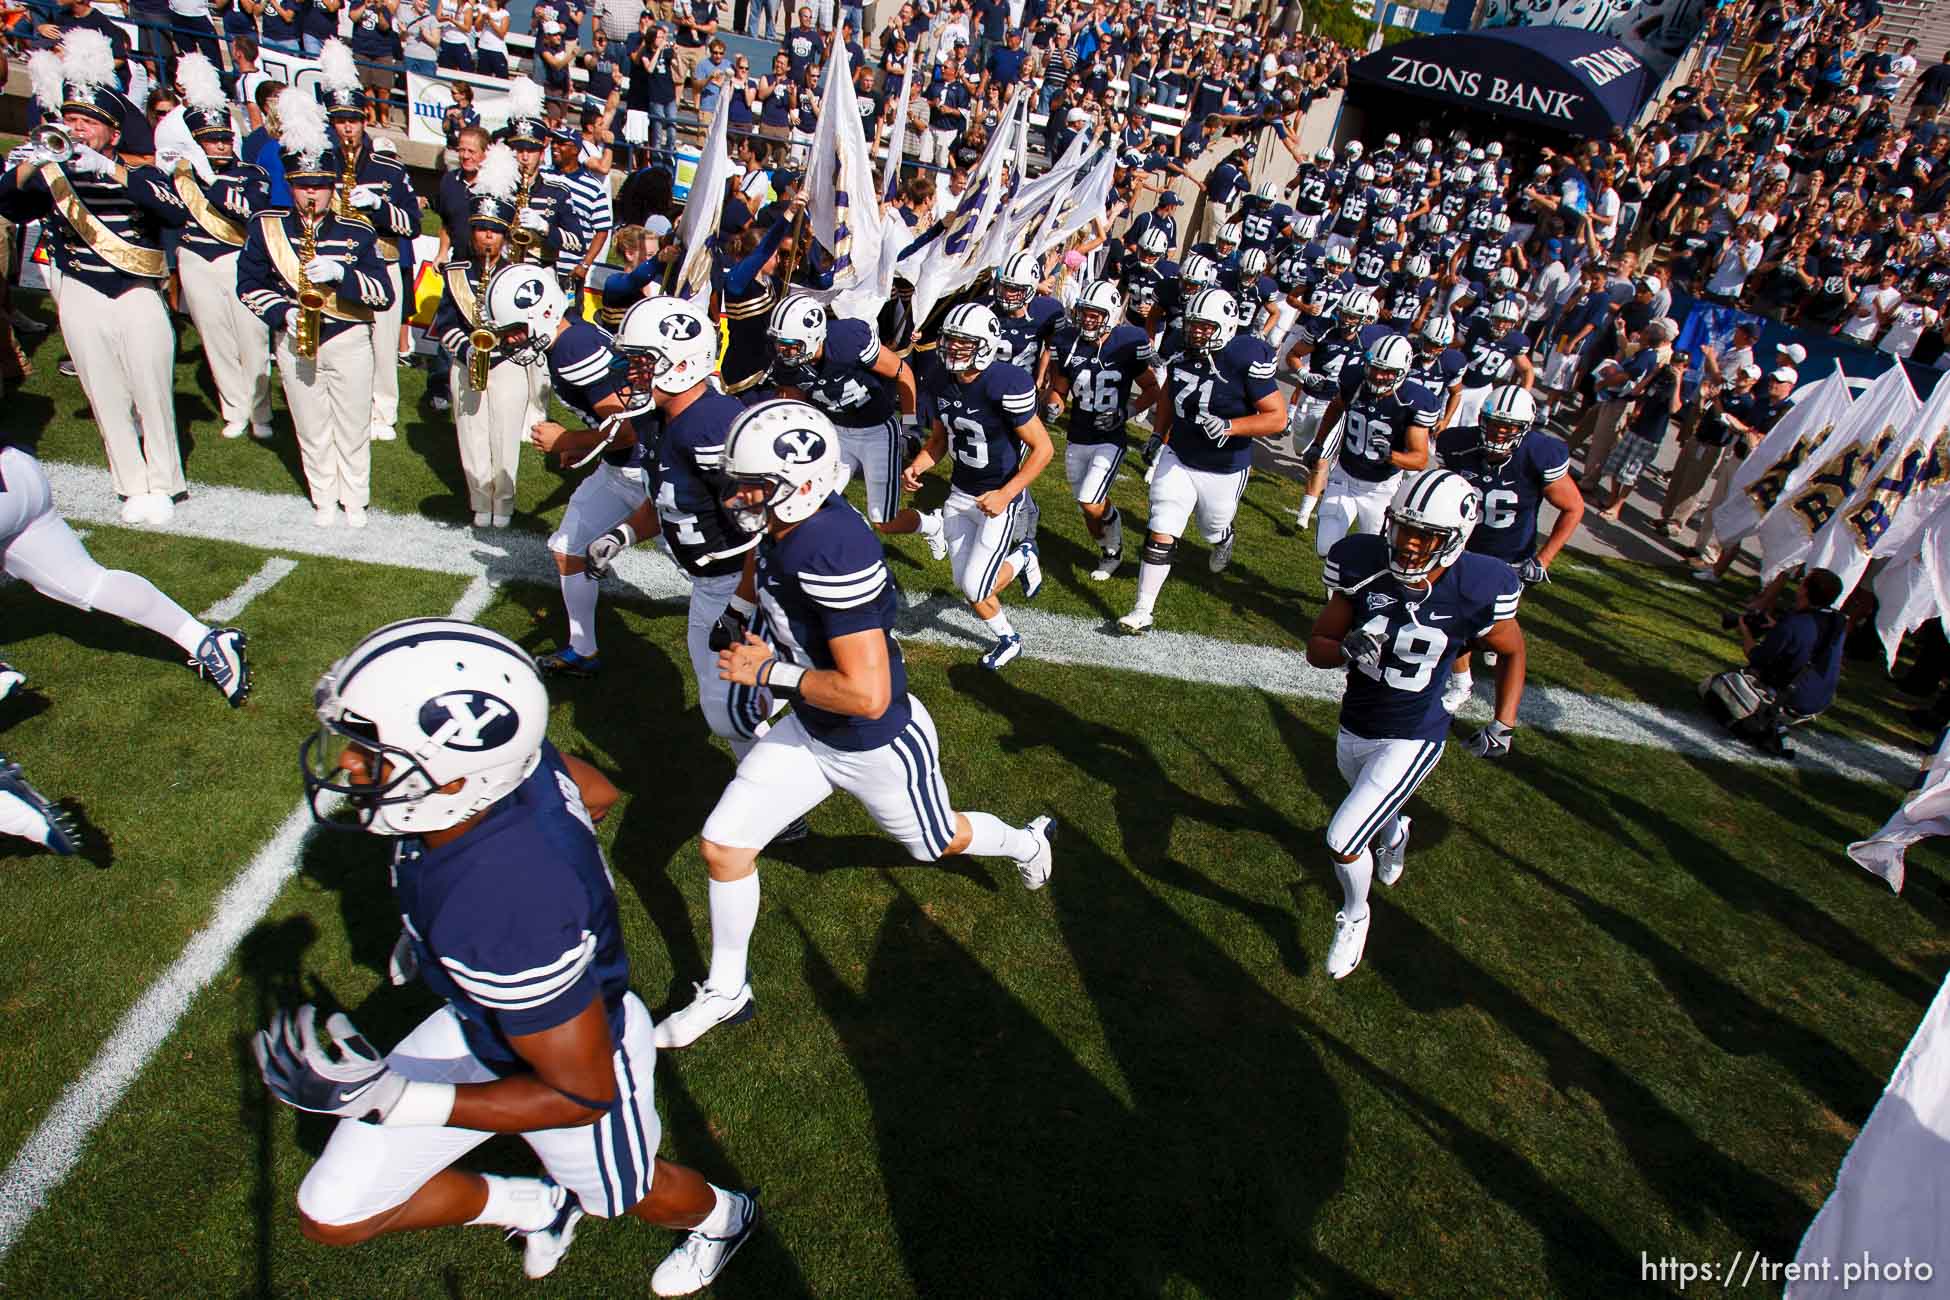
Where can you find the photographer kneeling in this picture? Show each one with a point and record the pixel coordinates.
(1793, 666)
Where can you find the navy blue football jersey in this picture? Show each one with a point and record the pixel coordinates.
(1326, 294)
(842, 382)
(1439, 372)
(584, 369)
(827, 578)
(1492, 360)
(1251, 295)
(1421, 631)
(1313, 187)
(1373, 427)
(1145, 285)
(1262, 223)
(1512, 492)
(983, 417)
(1373, 262)
(1102, 376)
(1025, 336)
(690, 460)
(514, 923)
(1228, 383)
(1353, 210)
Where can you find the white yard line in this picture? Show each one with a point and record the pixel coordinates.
(55, 1147)
(275, 570)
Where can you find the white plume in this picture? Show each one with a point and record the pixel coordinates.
(304, 130)
(202, 89)
(524, 98)
(336, 68)
(499, 174)
(44, 70)
(87, 59)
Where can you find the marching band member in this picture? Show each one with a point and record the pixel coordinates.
(316, 279)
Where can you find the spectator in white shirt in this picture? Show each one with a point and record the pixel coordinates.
(1908, 323)
(1738, 259)
(1875, 305)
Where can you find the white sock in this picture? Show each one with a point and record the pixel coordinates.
(579, 599)
(190, 634)
(1356, 877)
(1462, 682)
(718, 1222)
(1151, 580)
(734, 915)
(524, 1204)
(17, 817)
(1000, 625)
(137, 600)
(930, 523)
(991, 837)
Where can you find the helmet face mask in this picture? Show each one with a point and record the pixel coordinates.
(1501, 437)
(797, 331)
(1428, 523)
(790, 351)
(1092, 323)
(1211, 321)
(958, 351)
(1011, 297)
(1415, 550)
(670, 346)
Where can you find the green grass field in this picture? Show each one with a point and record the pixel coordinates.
(1622, 1001)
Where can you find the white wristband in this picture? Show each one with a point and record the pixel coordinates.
(783, 677)
(427, 1105)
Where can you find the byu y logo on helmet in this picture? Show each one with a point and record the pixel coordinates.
(799, 446)
(468, 720)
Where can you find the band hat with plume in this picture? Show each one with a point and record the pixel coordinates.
(525, 124)
(338, 82)
(88, 69)
(305, 144)
(492, 205)
(204, 105)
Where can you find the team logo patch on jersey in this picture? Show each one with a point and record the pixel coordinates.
(1379, 600)
(468, 720)
(799, 446)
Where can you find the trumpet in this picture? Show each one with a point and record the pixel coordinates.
(52, 139)
(311, 301)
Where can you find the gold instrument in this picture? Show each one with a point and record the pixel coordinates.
(311, 301)
(342, 201)
(482, 340)
(52, 139)
(521, 240)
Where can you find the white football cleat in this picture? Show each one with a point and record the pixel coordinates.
(1222, 553)
(937, 539)
(1135, 623)
(543, 1249)
(698, 1259)
(221, 661)
(1107, 563)
(261, 432)
(483, 519)
(1388, 857)
(11, 679)
(1350, 938)
(1455, 693)
(706, 1012)
(1035, 871)
(1006, 650)
(1030, 566)
(501, 521)
(324, 516)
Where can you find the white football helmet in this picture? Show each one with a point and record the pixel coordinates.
(424, 703)
(1438, 332)
(1359, 309)
(671, 339)
(1340, 257)
(1494, 149)
(1252, 262)
(1096, 307)
(1198, 269)
(1504, 314)
(1434, 511)
(1500, 223)
(1436, 225)
(1364, 174)
(1267, 192)
(1388, 362)
(1211, 320)
(1232, 232)
(1464, 176)
(1420, 266)
(797, 330)
(1504, 278)
(971, 338)
(1424, 147)
(1324, 156)
(787, 449)
(1354, 149)
(1017, 282)
(1154, 242)
(1387, 227)
(1391, 141)
(524, 298)
(1507, 416)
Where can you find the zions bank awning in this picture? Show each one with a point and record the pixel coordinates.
(1578, 82)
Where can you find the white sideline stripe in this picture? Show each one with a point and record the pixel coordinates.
(55, 1147)
(275, 570)
(507, 555)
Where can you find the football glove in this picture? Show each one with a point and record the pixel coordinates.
(1051, 409)
(730, 628)
(1216, 427)
(1492, 741)
(1363, 650)
(403, 967)
(356, 1084)
(603, 551)
(1533, 571)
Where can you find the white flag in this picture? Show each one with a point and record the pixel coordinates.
(1831, 479)
(842, 199)
(946, 263)
(890, 176)
(704, 207)
(1800, 435)
(1907, 589)
(1884, 511)
(1087, 200)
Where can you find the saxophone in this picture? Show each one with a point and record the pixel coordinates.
(481, 342)
(311, 301)
(342, 201)
(521, 240)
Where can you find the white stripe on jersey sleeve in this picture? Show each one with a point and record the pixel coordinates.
(1505, 607)
(1556, 472)
(840, 579)
(1019, 403)
(851, 602)
(588, 370)
(1260, 370)
(1330, 575)
(524, 990)
(1425, 417)
(870, 353)
(858, 593)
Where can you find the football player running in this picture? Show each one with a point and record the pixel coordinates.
(1027, 316)
(1403, 605)
(985, 416)
(1516, 466)
(433, 731)
(527, 308)
(26, 812)
(672, 353)
(828, 603)
(1096, 366)
(865, 389)
(1378, 427)
(1220, 395)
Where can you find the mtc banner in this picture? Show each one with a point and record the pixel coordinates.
(1576, 82)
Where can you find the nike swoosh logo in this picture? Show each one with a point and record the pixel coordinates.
(1438, 618)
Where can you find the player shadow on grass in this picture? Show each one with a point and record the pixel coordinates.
(271, 957)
